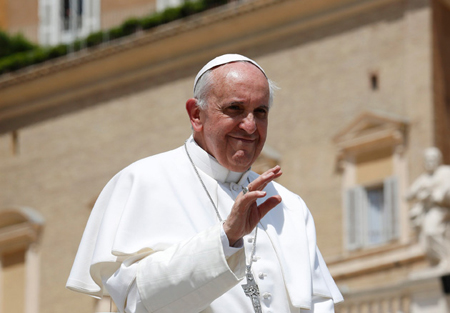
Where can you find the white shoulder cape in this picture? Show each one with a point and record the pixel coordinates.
(158, 201)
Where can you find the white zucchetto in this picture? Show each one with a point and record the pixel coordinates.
(224, 59)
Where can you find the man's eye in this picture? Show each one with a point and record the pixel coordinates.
(261, 113)
(233, 109)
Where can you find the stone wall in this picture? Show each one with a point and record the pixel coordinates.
(20, 17)
(325, 82)
(115, 12)
(325, 74)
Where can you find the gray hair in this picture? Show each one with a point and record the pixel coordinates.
(205, 83)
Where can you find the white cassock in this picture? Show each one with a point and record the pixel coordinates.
(155, 244)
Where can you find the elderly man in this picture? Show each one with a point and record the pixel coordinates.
(194, 229)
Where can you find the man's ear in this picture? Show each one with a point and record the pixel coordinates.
(194, 114)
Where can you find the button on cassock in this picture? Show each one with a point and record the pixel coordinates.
(235, 187)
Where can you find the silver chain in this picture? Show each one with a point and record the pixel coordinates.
(201, 181)
(252, 254)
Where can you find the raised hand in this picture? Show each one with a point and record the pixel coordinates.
(246, 214)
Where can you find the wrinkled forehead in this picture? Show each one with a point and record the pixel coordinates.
(224, 59)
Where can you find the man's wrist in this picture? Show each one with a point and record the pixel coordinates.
(229, 249)
(232, 240)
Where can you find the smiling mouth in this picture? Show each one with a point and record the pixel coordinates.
(243, 139)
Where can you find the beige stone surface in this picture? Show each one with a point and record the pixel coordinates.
(20, 17)
(324, 72)
(114, 12)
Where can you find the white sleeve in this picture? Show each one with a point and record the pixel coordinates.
(321, 305)
(227, 249)
(134, 302)
(186, 277)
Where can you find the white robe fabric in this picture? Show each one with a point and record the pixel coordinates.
(153, 242)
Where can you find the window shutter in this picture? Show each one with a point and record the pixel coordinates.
(391, 207)
(49, 22)
(354, 213)
(161, 5)
(45, 22)
(95, 15)
(91, 16)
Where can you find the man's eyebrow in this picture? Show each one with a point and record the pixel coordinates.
(236, 102)
(262, 106)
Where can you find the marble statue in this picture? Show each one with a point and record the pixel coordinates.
(430, 213)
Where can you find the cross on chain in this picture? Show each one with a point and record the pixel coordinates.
(252, 291)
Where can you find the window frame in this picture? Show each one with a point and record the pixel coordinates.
(357, 210)
(51, 21)
(369, 133)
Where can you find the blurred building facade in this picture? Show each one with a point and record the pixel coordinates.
(364, 90)
(50, 22)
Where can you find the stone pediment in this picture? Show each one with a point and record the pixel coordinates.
(371, 130)
(19, 226)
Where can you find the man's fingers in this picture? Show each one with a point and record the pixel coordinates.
(268, 205)
(252, 196)
(261, 182)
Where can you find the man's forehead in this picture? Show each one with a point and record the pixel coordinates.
(225, 59)
(236, 70)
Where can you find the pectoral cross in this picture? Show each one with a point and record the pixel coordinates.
(251, 290)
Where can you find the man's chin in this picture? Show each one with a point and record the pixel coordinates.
(240, 164)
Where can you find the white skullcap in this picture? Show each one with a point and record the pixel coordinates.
(224, 59)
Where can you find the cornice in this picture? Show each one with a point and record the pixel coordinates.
(92, 75)
(373, 262)
(188, 24)
(130, 42)
(370, 131)
(18, 236)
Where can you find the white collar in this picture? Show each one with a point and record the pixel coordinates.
(210, 166)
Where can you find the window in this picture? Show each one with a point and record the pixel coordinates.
(372, 214)
(374, 81)
(71, 20)
(371, 158)
(161, 5)
(64, 21)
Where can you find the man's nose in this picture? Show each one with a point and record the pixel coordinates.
(249, 124)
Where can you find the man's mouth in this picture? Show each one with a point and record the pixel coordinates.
(244, 139)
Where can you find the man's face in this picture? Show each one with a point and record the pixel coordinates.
(234, 124)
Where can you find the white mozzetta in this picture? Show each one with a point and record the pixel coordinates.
(156, 215)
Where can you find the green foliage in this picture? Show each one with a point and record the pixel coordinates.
(151, 21)
(95, 39)
(57, 51)
(170, 14)
(115, 33)
(130, 26)
(16, 52)
(13, 44)
(190, 8)
(22, 59)
(214, 3)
